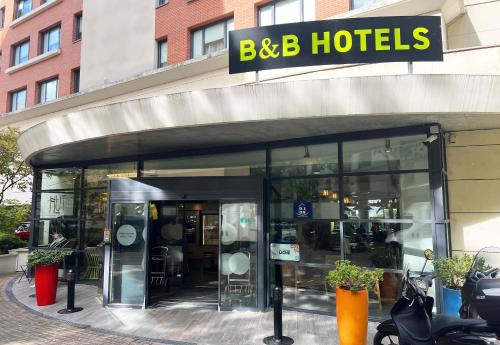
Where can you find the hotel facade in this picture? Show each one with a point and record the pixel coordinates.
(174, 181)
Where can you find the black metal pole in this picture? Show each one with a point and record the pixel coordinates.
(278, 338)
(70, 305)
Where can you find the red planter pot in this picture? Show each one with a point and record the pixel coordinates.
(46, 284)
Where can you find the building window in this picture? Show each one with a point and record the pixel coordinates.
(162, 53)
(78, 28)
(18, 100)
(2, 17)
(355, 4)
(21, 53)
(51, 39)
(23, 7)
(161, 2)
(48, 90)
(210, 39)
(287, 11)
(76, 81)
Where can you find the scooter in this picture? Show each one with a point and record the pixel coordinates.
(412, 323)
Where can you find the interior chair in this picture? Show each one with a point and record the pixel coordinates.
(158, 272)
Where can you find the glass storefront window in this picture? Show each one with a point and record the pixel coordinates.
(305, 160)
(94, 232)
(322, 193)
(394, 196)
(128, 253)
(389, 154)
(52, 179)
(57, 205)
(97, 176)
(95, 203)
(57, 233)
(387, 245)
(305, 287)
(231, 164)
(238, 271)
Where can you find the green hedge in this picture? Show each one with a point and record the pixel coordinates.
(8, 242)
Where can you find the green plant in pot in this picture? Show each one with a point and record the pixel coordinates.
(352, 284)
(46, 264)
(452, 272)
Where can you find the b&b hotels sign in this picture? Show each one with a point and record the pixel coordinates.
(340, 41)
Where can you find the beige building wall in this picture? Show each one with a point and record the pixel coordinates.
(116, 45)
(474, 188)
(478, 26)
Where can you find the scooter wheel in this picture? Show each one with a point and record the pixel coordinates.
(385, 338)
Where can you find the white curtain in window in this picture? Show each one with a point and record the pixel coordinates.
(287, 11)
(214, 38)
(266, 15)
(163, 53)
(197, 43)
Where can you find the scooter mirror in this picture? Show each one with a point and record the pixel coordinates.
(429, 254)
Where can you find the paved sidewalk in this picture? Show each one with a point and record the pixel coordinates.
(177, 325)
(19, 326)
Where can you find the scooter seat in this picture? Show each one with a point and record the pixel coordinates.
(443, 323)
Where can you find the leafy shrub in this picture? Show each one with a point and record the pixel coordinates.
(453, 271)
(8, 242)
(40, 257)
(348, 276)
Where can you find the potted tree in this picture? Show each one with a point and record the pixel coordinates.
(452, 272)
(46, 264)
(352, 284)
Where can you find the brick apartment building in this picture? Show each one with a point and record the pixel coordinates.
(133, 124)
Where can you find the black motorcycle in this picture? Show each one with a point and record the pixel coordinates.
(411, 320)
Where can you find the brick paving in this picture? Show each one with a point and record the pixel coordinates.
(22, 322)
(18, 326)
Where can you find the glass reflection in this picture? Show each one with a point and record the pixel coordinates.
(238, 271)
(305, 160)
(385, 154)
(394, 196)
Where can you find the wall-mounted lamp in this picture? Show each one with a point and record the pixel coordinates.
(388, 147)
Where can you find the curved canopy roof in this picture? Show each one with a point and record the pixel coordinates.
(264, 112)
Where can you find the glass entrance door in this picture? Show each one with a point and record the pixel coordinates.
(238, 254)
(129, 225)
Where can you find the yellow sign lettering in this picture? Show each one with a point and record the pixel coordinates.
(362, 33)
(291, 45)
(419, 34)
(247, 50)
(397, 41)
(338, 44)
(325, 42)
(381, 37)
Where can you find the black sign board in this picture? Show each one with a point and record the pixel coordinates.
(338, 41)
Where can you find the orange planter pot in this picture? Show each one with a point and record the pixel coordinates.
(352, 316)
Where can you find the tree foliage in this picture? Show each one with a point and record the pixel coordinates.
(12, 215)
(14, 172)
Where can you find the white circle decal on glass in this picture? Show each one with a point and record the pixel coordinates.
(239, 263)
(229, 233)
(126, 235)
(225, 264)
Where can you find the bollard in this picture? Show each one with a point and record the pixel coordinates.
(70, 307)
(278, 338)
